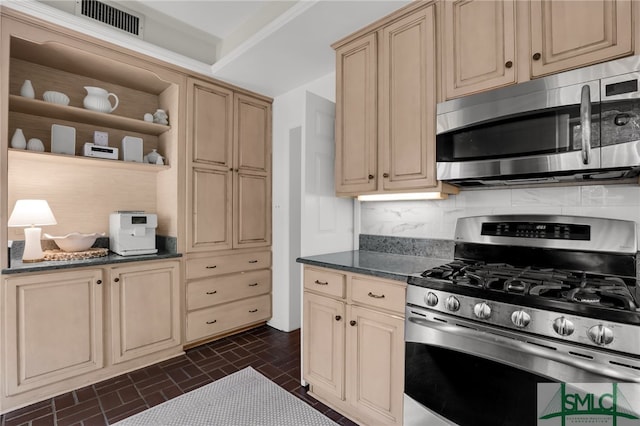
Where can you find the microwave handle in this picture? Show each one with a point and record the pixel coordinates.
(585, 123)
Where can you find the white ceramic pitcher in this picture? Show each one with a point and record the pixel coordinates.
(97, 99)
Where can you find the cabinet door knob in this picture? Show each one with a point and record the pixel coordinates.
(386, 175)
(117, 280)
(353, 323)
(508, 64)
(338, 317)
(370, 177)
(536, 56)
(99, 282)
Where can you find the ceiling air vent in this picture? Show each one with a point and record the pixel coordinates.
(118, 17)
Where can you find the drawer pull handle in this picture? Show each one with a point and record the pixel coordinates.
(376, 296)
(253, 311)
(212, 292)
(212, 322)
(321, 283)
(211, 267)
(253, 261)
(253, 285)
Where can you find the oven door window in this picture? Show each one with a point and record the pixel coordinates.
(552, 131)
(470, 390)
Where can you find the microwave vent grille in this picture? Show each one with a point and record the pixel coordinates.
(118, 18)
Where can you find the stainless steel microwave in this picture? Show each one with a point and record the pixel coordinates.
(579, 125)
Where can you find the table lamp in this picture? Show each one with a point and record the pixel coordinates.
(31, 214)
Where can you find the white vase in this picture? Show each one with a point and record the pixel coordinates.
(27, 90)
(35, 144)
(18, 140)
(152, 157)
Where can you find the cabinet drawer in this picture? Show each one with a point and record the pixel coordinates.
(227, 288)
(218, 319)
(325, 282)
(219, 265)
(378, 294)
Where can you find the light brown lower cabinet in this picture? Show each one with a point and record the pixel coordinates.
(226, 293)
(353, 344)
(145, 310)
(63, 330)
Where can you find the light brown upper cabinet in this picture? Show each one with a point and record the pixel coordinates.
(229, 200)
(385, 105)
(486, 44)
(356, 115)
(479, 42)
(571, 34)
(252, 172)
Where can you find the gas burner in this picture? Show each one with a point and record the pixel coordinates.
(469, 279)
(583, 295)
(517, 285)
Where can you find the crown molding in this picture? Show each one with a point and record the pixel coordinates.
(273, 26)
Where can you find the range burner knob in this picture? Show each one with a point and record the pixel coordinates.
(431, 299)
(600, 335)
(482, 310)
(563, 326)
(452, 303)
(520, 319)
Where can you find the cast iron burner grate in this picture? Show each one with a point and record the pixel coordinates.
(556, 284)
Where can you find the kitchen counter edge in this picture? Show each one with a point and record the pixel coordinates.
(383, 265)
(19, 267)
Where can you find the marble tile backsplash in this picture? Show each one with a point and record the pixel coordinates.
(437, 219)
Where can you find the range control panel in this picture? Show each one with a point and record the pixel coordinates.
(555, 231)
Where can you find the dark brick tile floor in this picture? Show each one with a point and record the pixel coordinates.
(273, 353)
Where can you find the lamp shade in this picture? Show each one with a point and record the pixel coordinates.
(31, 213)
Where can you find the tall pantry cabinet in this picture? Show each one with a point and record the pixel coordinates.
(228, 210)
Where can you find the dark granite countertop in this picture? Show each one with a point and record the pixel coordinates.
(385, 265)
(17, 266)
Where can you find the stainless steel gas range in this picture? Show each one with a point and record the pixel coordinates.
(527, 299)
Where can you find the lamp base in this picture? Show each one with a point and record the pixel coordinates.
(32, 246)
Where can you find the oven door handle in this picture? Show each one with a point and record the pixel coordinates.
(526, 348)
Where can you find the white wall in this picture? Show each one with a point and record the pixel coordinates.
(288, 113)
(437, 219)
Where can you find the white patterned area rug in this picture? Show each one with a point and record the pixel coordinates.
(244, 398)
